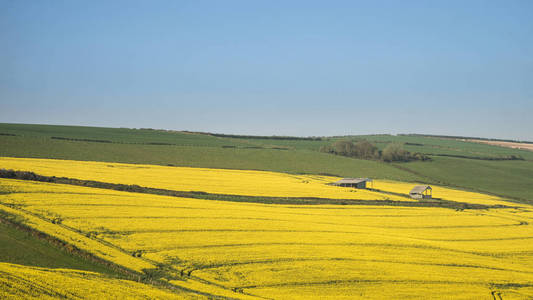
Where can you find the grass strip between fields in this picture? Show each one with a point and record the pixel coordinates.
(16, 222)
(25, 175)
(23, 247)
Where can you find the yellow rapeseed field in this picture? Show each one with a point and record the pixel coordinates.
(220, 181)
(247, 250)
(24, 282)
(234, 182)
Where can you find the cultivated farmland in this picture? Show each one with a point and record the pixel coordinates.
(217, 181)
(24, 282)
(163, 214)
(480, 167)
(248, 250)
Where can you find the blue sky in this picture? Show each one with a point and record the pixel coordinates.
(305, 68)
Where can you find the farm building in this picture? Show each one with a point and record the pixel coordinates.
(359, 183)
(421, 192)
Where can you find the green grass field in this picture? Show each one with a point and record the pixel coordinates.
(433, 145)
(507, 178)
(116, 135)
(291, 161)
(20, 247)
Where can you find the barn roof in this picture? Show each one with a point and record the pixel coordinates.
(353, 180)
(419, 189)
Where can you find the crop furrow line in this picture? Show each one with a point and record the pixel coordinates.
(377, 281)
(289, 260)
(349, 244)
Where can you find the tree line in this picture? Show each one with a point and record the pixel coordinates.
(363, 149)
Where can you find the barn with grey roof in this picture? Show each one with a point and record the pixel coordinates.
(421, 192)
(359, 183)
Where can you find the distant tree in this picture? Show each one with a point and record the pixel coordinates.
(366, 150)
(419, 156)
(345, 148)
(395, 152)
(326, 149)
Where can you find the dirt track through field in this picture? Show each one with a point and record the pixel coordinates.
(523, 146)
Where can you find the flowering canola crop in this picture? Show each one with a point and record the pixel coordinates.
(218, 181)
(24, 282)
(244, 250)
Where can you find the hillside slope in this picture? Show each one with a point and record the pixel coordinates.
(502, 171)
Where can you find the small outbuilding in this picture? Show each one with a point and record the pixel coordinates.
(421, 192)
(359, 183)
